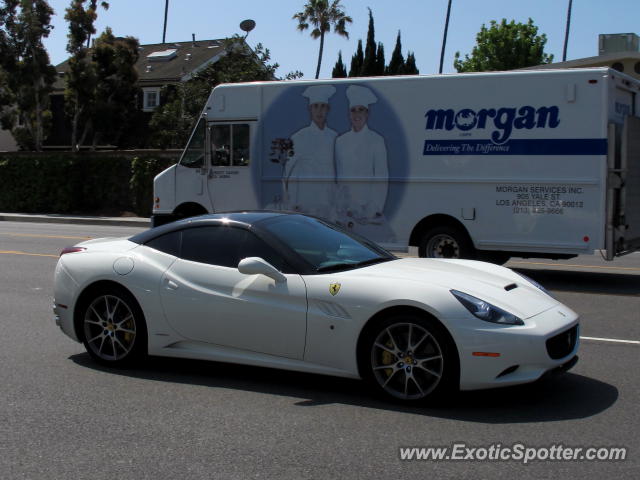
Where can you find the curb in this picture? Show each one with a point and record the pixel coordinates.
(80, 220)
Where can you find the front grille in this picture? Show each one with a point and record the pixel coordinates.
(562, 344)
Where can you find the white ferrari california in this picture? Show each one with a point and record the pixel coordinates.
(290, 291)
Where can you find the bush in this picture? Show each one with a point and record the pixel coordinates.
(85, 183)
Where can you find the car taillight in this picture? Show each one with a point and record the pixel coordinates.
(71, 250)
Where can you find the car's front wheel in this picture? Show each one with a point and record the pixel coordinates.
(409, 358)
(113, 327)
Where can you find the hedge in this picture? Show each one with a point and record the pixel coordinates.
(95, 183)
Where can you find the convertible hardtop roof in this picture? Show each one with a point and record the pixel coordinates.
(244, 218)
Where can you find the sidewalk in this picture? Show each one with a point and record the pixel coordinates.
(77, 219)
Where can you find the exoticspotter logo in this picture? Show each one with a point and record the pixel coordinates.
(502, 120)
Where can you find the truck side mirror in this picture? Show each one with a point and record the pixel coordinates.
(258, 266)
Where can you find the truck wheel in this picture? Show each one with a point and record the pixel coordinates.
(446, 242)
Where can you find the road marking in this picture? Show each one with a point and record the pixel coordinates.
(15, 252)
(575, 266)
(46, 236)
(612, 340)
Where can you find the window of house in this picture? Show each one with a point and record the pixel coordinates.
(230, 145)
(151, 99)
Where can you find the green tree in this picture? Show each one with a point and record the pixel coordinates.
(396, 64)
(339, 70)
(182, 105)
(81, 79)
(357, 61)
(410, 67)
(505, 46)
(27, 72)
(116, 89)
(323, 15)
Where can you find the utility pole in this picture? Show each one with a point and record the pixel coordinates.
(566, 34)
(444, 38)
(164, 30)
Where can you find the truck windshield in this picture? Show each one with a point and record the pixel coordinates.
(194, 154)
(325, 247)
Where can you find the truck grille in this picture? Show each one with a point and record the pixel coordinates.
(562, 344)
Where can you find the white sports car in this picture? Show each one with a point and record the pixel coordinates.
(290, 291)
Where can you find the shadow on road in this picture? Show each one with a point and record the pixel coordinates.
(585, 282)
(564, 397)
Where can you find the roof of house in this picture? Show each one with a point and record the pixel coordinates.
(164, 63)
(598, 60)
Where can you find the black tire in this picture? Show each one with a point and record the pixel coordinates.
(409, 359)
(446, 242)
(112, 327)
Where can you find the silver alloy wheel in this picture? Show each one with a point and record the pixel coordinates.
(109, 328)
(407, 361)
(442, 246)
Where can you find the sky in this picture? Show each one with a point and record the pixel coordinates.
(421, 23)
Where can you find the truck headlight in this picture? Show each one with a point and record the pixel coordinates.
(485, 311)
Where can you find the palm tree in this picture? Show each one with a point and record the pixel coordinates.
(322, 15)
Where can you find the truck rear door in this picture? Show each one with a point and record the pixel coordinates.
(623, 193)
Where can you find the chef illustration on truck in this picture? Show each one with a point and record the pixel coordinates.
(341, 178)
(312, 157)
(361, 164)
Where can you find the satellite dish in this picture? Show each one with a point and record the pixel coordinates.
(247, 26)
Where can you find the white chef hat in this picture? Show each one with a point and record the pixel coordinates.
(358, 95)
(319, 93)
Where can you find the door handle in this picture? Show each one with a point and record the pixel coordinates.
(171, 285)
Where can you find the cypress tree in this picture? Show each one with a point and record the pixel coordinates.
(370, 55)
(410, 65)
(357, 61)
(396, 64)
(339, 70)
(380, 68)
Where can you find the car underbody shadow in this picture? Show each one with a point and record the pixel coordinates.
(556, 398)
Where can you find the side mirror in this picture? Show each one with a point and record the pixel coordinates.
(258, 266)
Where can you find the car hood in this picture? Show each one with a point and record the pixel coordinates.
(497, 285)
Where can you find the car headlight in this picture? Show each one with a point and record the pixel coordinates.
(485, 311)
(535, 284)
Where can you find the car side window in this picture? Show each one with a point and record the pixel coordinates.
(256, 247)
(225, 246)
(219, 245)
(167, 243)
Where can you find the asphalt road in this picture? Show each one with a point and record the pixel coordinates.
(64, 417)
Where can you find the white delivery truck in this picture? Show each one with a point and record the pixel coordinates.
(487, 165)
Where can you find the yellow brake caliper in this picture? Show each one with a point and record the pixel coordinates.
(388, 358)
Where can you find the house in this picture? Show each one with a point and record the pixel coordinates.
(620, 51)
(158, 65)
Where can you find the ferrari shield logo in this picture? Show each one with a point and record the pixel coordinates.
(334, 288)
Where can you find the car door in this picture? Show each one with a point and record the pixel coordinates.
(206, 298)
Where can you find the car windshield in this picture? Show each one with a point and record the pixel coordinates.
(325, 247)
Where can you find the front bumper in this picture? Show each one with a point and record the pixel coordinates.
(494, 355)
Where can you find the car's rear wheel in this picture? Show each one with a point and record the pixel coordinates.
(410, 358)
(113, 327)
